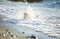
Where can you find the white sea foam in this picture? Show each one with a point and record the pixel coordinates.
(48, 20)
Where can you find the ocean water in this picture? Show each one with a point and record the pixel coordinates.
(43, 17)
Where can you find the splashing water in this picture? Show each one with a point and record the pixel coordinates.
(48, 23)
(29, 11)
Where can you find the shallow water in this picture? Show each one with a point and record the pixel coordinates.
(48, 20)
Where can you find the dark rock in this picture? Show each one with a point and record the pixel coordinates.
(33, 37)
(9, 32)
(23, 32)
(53, 36)
(34, 1)
(12, 35)
(30, 1)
